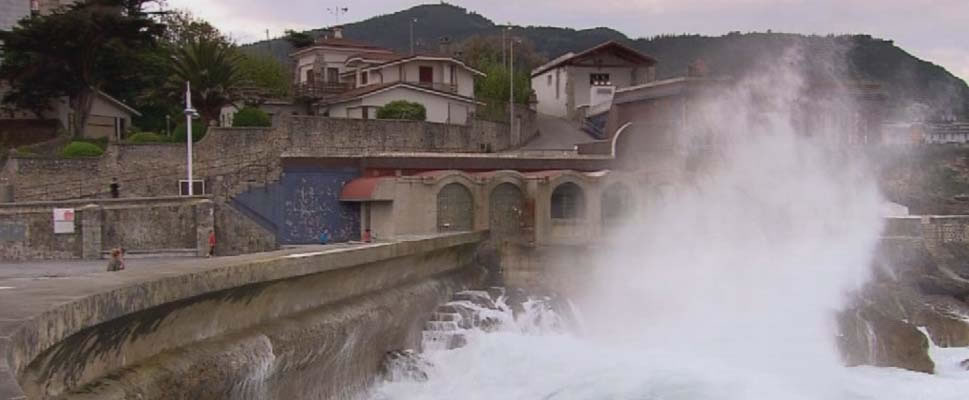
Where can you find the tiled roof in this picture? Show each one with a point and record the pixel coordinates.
(622, 50)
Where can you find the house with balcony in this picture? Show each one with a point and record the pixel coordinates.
(572, 84)
(317, 68)
(342, 78)
(443, 84)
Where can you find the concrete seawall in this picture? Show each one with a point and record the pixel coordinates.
(288, 324)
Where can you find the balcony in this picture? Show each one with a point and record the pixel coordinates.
(439, 86)
(320, 90)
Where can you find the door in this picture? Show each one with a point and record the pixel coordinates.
(426, 75)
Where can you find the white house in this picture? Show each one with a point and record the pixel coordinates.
(443, 84)
(317, 68)
(573, 82)
(344, 78)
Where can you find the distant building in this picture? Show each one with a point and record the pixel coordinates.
(953, 132)
(12, 11)
(343, 78)
(574, 82)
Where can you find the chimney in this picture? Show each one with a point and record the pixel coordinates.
(445, 46)
(337, 32)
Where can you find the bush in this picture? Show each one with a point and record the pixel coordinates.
(403, 109)
(81, 149)
(251, 117)
(101, 142)
(147, 137)
(26, 151)
(198, 132)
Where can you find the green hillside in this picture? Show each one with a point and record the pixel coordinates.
(905, 78)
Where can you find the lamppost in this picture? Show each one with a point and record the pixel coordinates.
(189, 114)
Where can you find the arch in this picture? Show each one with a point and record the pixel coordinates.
(617, 204)
(568, 201)
(507, 207)
(455, 208)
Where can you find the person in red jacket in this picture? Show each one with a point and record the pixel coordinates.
(211, 243)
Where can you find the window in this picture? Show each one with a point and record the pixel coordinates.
(198, 187)
(549, 79)
(332, 75)
(599, 80)
(310, 77)
(557, 85)
(426, 74)
(363, 78)
(568, 202)
(365, 112)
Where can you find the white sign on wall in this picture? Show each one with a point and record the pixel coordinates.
(64, 220)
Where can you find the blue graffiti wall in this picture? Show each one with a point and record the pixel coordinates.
(302, 204)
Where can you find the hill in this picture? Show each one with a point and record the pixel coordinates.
(905, 78)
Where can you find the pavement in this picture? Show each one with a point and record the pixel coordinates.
(557, 134)
(13, 275)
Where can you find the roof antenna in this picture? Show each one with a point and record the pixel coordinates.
(336, 12)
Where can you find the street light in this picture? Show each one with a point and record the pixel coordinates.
(189, 114)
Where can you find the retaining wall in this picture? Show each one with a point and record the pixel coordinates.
(288, 324)
(151, 225)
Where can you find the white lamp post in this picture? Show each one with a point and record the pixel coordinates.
(189, 114)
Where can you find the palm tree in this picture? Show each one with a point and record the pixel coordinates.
(212, 66)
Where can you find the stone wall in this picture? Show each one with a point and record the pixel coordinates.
(141, 225)
(315, 324)
(935, 230)
(318, 136)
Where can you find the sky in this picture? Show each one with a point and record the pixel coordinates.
(933, 30)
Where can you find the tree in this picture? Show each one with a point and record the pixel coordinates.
(183, 27)
(89, 47)
(298, 39)
(211, 65)
(265, 75)
(484, 54)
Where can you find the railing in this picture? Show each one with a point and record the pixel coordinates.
(321, 90)
(439, 86)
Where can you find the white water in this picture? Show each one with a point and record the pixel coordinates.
(723, 288)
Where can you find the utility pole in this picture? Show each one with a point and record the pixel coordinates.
(189, 113)
(504, 60)
(511, 80)
(412, 22)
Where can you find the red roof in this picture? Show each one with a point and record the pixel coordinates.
(360, 189)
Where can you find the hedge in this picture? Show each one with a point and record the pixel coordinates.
(251, 117)
(81, 149)
(402, 109)
(147, 137)
(198, 132)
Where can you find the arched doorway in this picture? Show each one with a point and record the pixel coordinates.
(617, 204)
(455, 208)
(507, 207)
(568, 202)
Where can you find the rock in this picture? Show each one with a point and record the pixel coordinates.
(477, 297)
(869, 337)
(945, 320)
(404, 365)
(965, 364)
(496, 292)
